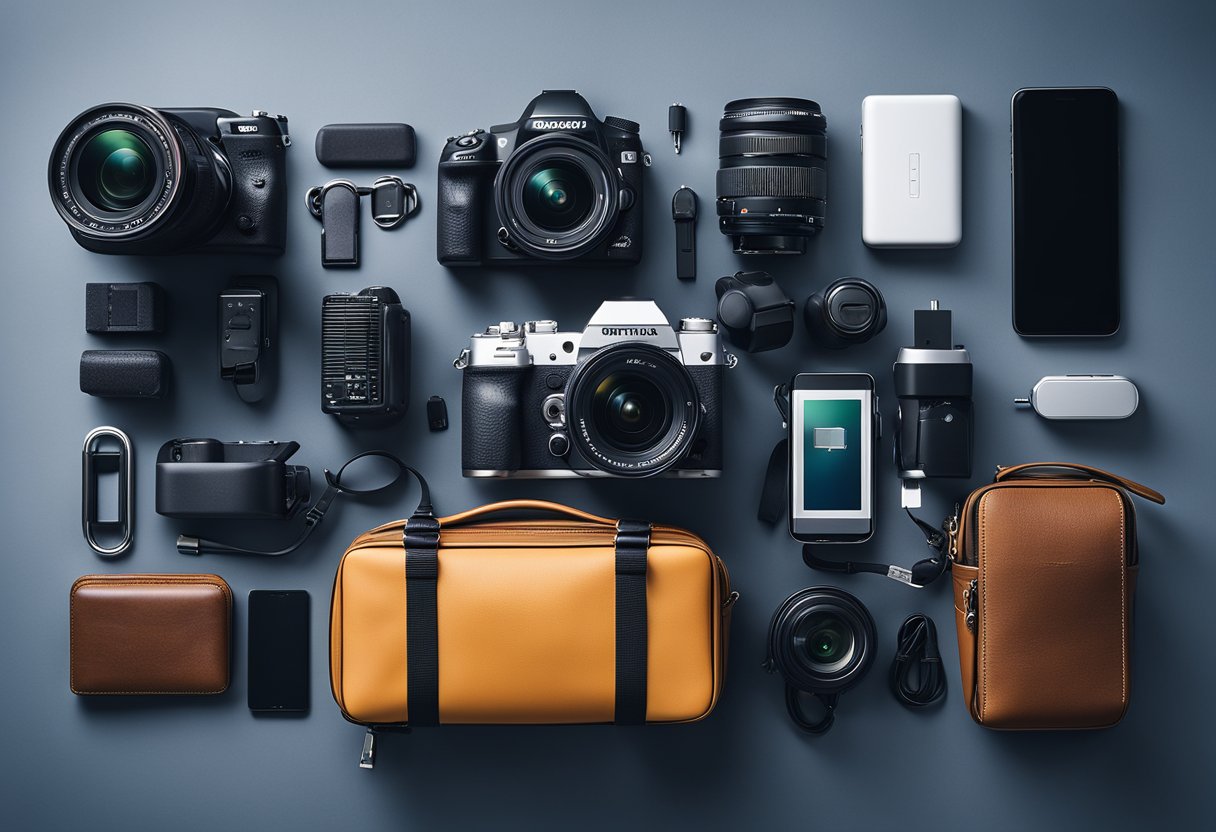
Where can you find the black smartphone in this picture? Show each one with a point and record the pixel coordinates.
(278, 650)
(1065, 168)
(833, 430)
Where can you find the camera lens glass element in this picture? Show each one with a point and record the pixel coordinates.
(772, 174)
(630, 410)
(825, 639)
(559, 196)
(116, 170)
(633, 410)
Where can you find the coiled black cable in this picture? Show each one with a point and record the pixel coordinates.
(917, 678)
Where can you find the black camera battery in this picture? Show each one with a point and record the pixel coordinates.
(114, 308)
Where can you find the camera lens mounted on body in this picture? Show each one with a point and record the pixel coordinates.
(556, 198)
(129, 174)
(772, 174)
(633, 410)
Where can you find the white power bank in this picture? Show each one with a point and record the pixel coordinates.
(1083, 397)
(911, 171)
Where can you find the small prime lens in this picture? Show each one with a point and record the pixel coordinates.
(116, 170)
(772, 174)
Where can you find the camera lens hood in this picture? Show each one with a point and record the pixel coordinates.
(847, 311)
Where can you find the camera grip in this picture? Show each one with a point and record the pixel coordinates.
(490, 419)
(257, 216)
(708, 448)
(459, 224)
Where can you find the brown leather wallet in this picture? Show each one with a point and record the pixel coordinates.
(150, 634)
(1044, 566)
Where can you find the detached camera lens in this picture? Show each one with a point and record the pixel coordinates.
(772, 174)
(822, 641)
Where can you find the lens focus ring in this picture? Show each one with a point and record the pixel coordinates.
(780, 144)
(773, 181)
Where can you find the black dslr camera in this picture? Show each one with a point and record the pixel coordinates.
(210, 478)
(563, 186)
(134, 180)
(629, 396)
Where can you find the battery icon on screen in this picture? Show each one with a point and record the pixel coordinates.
(828, 439)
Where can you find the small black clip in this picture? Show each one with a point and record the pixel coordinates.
(436, 413)
(684, 213)
(336, 204)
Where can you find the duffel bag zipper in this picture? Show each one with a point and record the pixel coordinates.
(367, 759)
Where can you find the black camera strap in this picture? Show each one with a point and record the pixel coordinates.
(922, 573)
(773, 492)
(190, 545)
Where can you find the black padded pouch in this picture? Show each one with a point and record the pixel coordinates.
(141, 374)
(123, 307)
(366, 145)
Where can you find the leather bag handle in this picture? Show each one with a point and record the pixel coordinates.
(525, 505)
(1022, 471)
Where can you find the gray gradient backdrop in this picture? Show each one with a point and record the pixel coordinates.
(207, 764)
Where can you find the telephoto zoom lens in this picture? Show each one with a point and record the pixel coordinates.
(772, 174)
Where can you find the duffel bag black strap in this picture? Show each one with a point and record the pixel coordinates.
(632, 542)
(421, 540)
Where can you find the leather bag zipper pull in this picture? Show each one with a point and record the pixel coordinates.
(971, 605)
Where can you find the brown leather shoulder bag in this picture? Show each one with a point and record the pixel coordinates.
(1044, 565)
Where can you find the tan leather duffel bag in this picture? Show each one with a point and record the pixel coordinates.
(568, 619)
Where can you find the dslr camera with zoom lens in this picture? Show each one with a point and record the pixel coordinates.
(557, 185)
(134, 180)
(772, 174)
(629, 396)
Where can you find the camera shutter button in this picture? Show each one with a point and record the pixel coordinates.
(468, 141)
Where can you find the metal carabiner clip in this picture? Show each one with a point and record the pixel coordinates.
(96, 461)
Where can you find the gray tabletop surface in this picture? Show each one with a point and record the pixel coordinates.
(206, 763)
